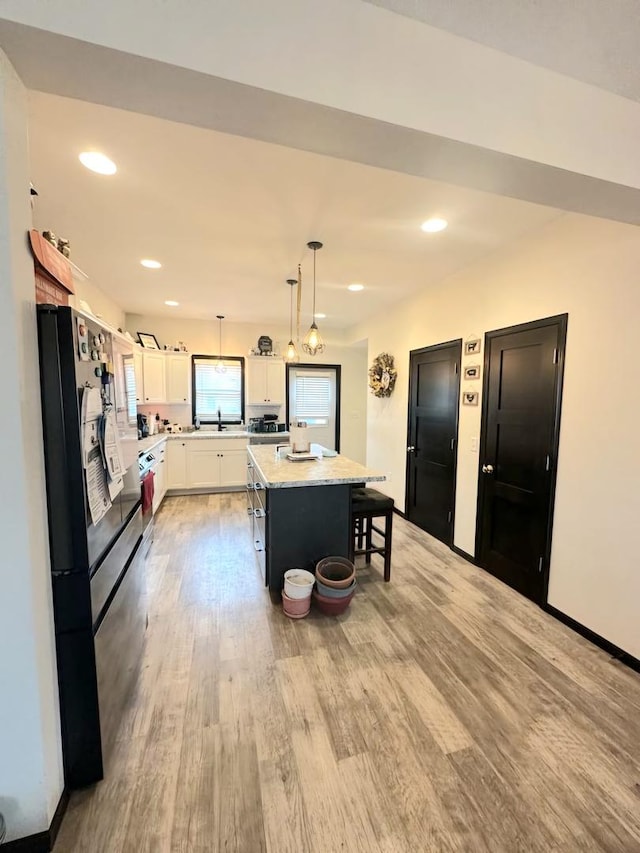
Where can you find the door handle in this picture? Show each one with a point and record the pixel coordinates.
(487, 469)
(410, 449)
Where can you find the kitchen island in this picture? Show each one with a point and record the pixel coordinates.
(300, 511)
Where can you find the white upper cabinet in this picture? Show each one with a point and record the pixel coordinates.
(178, 374)
(153, 377)
(265, 381)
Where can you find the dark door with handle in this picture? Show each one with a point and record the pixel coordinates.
(434, 390)
(518, 452)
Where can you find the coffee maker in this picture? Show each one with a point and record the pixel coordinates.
(143, 426)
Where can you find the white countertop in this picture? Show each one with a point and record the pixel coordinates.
(145, 444)
(328, 471)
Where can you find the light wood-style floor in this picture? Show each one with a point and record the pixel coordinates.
(443, 712)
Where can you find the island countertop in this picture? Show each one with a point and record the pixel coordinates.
(327, 471)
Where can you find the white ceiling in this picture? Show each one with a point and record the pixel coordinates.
(229, 218)
(595, 41)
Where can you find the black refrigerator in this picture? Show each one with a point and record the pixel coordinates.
(95, 527)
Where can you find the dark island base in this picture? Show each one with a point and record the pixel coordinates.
(305, 524)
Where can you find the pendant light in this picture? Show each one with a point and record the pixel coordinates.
(292, 352)
(220, 368)
(313, 343)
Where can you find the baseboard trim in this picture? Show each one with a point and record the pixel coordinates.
(40, 842)
(463, 554)
(616, 652)
(399, 512)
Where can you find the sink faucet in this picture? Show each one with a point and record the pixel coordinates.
(219, 421)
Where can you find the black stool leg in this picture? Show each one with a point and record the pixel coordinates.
(388, 530)
(369, 538)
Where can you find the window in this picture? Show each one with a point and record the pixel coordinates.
(312, 398)
(216, 391)
(130, 389)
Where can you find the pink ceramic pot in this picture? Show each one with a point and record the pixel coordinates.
(296, 608)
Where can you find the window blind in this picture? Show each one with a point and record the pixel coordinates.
(313, 396)
(214, 390)
(130, 389)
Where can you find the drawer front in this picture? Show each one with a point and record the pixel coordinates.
(106, 577)
(197, 445)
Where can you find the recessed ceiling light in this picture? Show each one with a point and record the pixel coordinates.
(171, 303)
(150, 264)
(98, 162)
(355, 287)
(431, 226)
(320, 316)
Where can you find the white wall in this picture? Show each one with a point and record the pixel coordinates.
(201, 337)
(30, 758)
(588, 268)
(102, 306)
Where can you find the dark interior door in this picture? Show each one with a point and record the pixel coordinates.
(518, 455)
(432, 437)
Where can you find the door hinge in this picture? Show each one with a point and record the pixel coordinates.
(548, 463)
(449, 517)
(555, 355)
(455, 366)
(453, 443)
(540, 562)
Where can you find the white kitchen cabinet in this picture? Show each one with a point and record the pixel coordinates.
(233, 467)
(160, 470)
(153, 377)
(203, 464)
(178, 377)
(176, 462)
(265, 381)
(206, 463)
(137, 369)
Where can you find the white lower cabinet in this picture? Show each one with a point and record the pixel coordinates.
(176, 461)
(160, 482)
(233, 465)
(202, 463)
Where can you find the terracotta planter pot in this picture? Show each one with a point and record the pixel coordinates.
(332, 606)
(337, 572)
(295, 608)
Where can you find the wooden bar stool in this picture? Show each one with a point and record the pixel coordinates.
(367, 505)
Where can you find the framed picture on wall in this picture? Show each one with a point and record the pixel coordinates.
(472, 346)
(472, 371)
(148, 340)
(470, 398)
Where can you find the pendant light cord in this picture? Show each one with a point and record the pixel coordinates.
(299, 303)
(313, 316)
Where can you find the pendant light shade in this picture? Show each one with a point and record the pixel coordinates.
(313, 343)
(292, 353)
(220, 368)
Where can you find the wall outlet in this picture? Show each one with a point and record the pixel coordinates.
(474, 445)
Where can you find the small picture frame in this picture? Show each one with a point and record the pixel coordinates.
(148, 341)
(472, 346)
(472, 371)
(470, 398)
